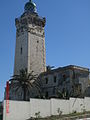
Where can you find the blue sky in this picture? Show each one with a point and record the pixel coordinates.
(67, 33)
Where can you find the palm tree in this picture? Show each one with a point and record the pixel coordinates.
(26, 81)
(49, 68)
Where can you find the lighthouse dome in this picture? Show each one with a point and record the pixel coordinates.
(30, 7)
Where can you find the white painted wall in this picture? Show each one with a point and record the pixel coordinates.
(39, 105)
(17, 111)
(76, 104)
(59, 103)
(24, 110)
(87, 103)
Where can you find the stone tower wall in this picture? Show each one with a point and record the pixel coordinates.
(36, 50)
(30, 44)
(21, 55)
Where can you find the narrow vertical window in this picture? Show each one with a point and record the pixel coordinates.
(46, 80)
(21, 50)
(37, 41)
(64, 77)
(46, 95)
(55, 79)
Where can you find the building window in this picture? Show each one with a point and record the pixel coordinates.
(46, 80)
(21, 51)
(54, 90)
(55, 79)
(46, 95)
(64, 77)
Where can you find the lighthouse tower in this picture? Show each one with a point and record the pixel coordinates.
(30, 41)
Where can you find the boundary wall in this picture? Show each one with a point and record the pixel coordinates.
(19, 110)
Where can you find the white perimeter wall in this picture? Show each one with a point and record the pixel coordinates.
(87, 104)
(38, 105)
(77, 104)
(17, 111)
(56, 104)
(24, 110)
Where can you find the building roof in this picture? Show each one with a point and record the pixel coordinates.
(65, 68)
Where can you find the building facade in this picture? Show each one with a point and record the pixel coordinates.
(65, 82)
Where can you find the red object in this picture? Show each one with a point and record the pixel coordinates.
(7, 97)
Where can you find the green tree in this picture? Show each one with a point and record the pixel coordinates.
(26, 81)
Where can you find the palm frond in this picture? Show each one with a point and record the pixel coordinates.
(26, 81)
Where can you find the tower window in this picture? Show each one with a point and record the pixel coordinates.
(21, 50)
(37, 41)
(46, 80)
